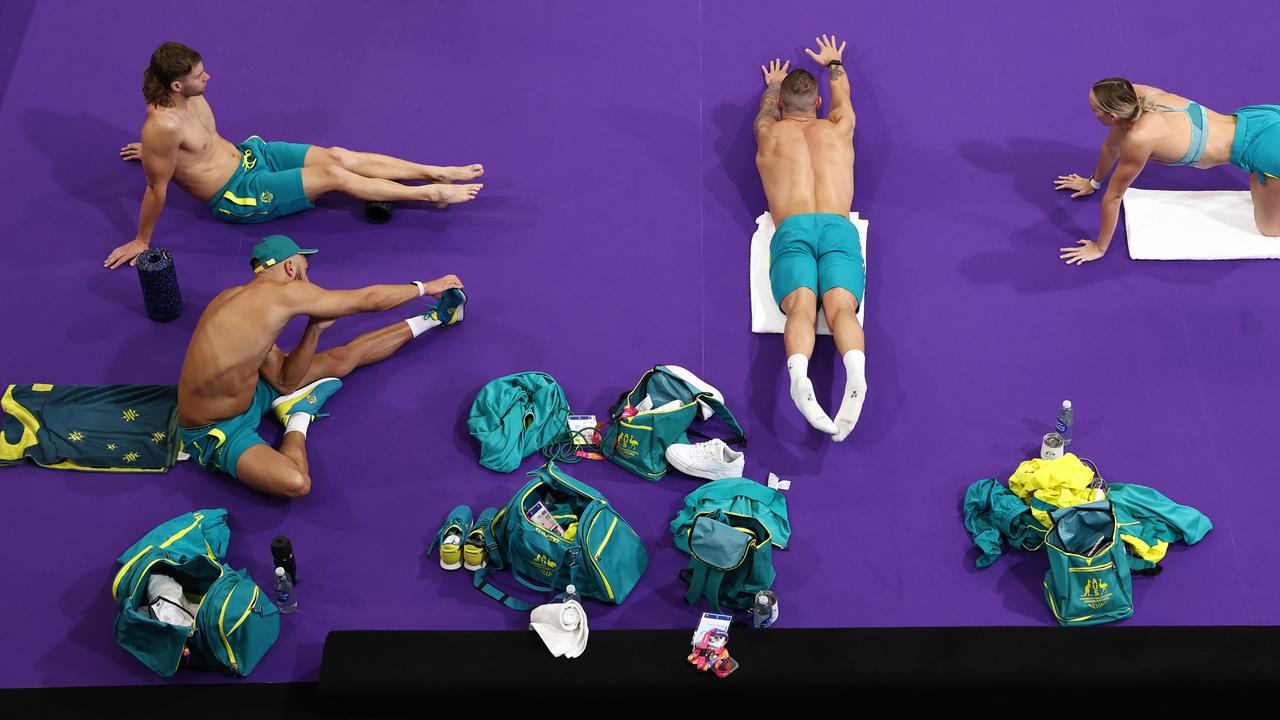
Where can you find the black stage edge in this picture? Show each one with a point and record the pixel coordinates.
(393, 673)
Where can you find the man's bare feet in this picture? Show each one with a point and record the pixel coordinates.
(457, 173)
(445, 195)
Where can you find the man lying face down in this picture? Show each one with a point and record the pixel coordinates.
(234, 373)
(806, 165)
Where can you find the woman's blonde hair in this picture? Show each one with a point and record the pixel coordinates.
(1116, 96)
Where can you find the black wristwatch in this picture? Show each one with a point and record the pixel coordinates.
(834, 62)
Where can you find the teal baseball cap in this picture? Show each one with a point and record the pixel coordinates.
(274, 249)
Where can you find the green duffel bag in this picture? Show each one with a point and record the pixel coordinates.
(638, 440)
(594, 549)
(234, 623)
(1088, 582)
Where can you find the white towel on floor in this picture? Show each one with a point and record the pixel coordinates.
(562, 626)
(765, 315)
(1194, 225)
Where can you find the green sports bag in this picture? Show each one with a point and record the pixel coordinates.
(235, 622)
(1088, 581)
(557, 531)
(730, 560)
(657, 413)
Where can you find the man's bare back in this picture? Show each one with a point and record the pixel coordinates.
(231, 342)
(806, 166)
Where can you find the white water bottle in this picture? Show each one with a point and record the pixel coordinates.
(285, 598)
(1065, 418)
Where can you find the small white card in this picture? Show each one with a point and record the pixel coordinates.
(711, 622)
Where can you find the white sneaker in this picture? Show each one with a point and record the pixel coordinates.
(712, 460)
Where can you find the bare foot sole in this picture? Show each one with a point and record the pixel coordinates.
(459, 173)
(445, 195)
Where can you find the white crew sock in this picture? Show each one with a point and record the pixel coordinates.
(421, 323)
(855, 393)
(802, 395)
(298, 422)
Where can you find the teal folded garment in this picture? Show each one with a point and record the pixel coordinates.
(515, 416)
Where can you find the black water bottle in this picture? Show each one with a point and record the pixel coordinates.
(282, 554)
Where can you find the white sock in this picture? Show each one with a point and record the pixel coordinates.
(298, 422)
(855, 393)
(802, 395)
(421, 323)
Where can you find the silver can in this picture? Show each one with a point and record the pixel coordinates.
(1052, 446)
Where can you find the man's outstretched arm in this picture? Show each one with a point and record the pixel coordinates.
(163, 138)
(838, 81)
(774, 74)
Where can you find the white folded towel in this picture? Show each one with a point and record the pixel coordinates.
(1194, 225)
(765, 315)
(562, 626)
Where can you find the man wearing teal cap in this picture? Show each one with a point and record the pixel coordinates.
(234, 372)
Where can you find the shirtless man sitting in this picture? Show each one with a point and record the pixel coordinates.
(234, 373)
(806, 165)
(254, 181)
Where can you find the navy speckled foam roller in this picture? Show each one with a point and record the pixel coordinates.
(159, 280)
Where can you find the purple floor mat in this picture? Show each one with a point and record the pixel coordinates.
(600, 247)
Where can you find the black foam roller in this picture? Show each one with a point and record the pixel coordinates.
(377, 212)
(159, 281)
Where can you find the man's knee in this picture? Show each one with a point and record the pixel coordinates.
(342, 157)
(801, 301)
(837, 300)
(1268, 223)
(295, 484)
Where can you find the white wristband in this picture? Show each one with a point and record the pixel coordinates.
(1095, 184)
(422, 289)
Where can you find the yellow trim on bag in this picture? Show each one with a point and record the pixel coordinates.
(252, 601)
(594, 559)
(1108, 566)
(606, 536)
(123, 570)
(183, 531)
(231, 655)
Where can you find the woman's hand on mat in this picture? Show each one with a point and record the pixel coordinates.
(1087, 250)
(827, 50)
(1074, 182)
(132, 151)
(435, 287)
(775, 72)
(126, 253)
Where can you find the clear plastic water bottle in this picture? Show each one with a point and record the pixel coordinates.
(1065, 418)
(765, 611)
(285, 598)
(571, 593)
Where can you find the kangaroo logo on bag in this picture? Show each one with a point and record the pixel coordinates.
(628, 446)
(544, 564)
(1096, 594)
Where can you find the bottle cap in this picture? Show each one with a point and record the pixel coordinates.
(570, 590)
(279, 572)
(762, 599)
(281, 545)
(1066, 404)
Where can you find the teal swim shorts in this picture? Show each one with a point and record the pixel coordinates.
(819, 251)
(267, 184)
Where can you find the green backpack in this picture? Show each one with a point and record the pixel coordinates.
(1088, 581)
(730, 560)
(638, 442)
(595, 550)
(235, 624)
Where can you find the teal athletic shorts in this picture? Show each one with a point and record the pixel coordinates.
(219, 445)
(819, 251)
(1256, 145)
(267, 184)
